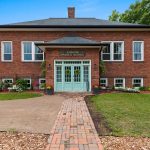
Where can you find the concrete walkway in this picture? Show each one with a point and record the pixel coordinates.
(30, 115)
(74, 128)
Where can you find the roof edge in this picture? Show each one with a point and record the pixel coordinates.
(74, 26)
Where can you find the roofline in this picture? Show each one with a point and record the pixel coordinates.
(68, 44)
(75, 26)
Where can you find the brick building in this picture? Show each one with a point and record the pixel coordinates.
(73, 49)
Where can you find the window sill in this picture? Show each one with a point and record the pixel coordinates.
(113, 61)
(7, 61)
(32, 61)
(138, 61)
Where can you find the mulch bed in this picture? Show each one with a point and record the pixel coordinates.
(125, 143)
(111, 142)
(22, 141)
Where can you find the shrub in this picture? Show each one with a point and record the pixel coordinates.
(21, 84)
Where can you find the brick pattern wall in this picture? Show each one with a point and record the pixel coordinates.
(126, 69)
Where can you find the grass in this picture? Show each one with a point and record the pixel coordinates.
(126, 114)
(14, 96)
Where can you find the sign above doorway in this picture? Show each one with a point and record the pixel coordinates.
(71, 53)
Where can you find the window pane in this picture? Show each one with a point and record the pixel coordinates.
(28, 83)
(106, 52)
(7, 47)
(117, 56)
(119, 83)
(118, 51)
(59, 74)
(27, 56)
(7, 56)
(137, 82)
(38, 54)
(27, 47)
(106, 56)
(117, 47)
(137, 56)
(103, 82)
(137, 47)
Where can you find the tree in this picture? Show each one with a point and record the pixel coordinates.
(115, 16)
(139, 13)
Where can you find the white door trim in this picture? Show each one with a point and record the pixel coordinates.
(90, 72)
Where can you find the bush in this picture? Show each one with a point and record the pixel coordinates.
(144, 88)
(1, 85)
(21, 84)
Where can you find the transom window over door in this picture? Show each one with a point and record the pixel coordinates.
(138, 50)
(113, 52)
(31, 53)
(6, 51)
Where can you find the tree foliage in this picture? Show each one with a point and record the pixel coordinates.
(139, 13)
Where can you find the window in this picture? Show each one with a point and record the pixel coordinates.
(28, 82)
(106, 55)
(119, 82)
(113, 52)
(6, 51)
(138, 50)
(42, 82)
(103, 82)
(117, 51)
(58, 73)
(31, 53)
(137, 82)
(8, 81)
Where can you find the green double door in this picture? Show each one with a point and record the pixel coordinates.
(72, 77)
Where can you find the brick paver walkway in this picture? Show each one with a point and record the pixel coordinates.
(74, 128)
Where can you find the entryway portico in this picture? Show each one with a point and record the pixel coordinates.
(72, 64)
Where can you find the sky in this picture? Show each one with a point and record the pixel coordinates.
(12, 11)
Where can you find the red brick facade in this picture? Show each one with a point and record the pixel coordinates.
(126, 69)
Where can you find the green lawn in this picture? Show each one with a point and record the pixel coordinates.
(126, 114)
(13, 96)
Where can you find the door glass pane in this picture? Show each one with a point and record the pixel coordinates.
(86, 73)
(77, 74)
(67, 73)
(59, 74)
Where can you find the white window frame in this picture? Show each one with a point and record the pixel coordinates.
(106, 79)
(4, 79)
(30, 82)
(33, 51)
(142, 81)
(40, 82)
(2, 51)
(142, 50)
(120, 79)
(112, 51)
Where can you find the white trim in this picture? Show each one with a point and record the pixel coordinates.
(90, 72)
(75, 29)
(112, 51)
(120, 79)
(40, 82)
(106, 79)
(142, 51)
(3, 79)
(2, 51)
(33, 51)
(142, 81)
(30, 81)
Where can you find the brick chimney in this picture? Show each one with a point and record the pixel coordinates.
(71, 12)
